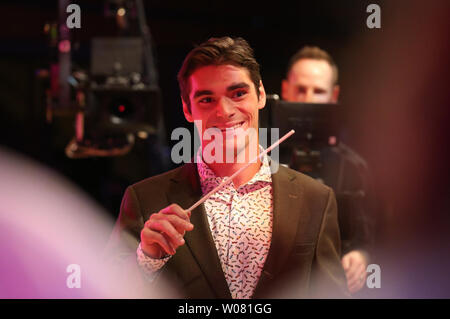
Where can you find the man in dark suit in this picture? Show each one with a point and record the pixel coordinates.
(312, 77)
(272, 232)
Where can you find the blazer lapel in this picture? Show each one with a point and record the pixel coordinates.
(185, 191)
(286, 207)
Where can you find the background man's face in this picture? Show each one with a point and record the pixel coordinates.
(224, 97)
(310, 81)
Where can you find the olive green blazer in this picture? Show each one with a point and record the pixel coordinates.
(304, 255)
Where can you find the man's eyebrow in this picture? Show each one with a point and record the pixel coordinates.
(202, 92)
(241, 85)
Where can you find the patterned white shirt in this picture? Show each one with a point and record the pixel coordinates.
(240, 221)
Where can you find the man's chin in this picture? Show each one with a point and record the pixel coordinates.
(237, 154)
(231, 153)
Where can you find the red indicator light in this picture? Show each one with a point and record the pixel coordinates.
(64, 46)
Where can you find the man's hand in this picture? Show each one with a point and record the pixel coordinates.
(355, 264)
(163, 232)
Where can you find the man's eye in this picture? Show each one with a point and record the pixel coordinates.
(239, 93)
(206, 100)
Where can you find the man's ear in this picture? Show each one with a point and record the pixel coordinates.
(335, 94)
(284, 89)
(187, 112)
(262, 96)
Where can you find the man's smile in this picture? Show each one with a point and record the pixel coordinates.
(227, 127)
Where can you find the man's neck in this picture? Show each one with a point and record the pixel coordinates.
(228, 169)
(241, 159)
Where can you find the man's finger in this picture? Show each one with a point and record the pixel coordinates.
(180, 224)
(346, 262)
(354, 269)
(357, 274)
(356, 281)
(149, 237)
(354, 287)
(176, 210)
(163, 226)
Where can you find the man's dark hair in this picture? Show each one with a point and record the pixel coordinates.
(315, 53)
(218, 51)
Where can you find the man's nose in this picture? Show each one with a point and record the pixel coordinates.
(309, 96)
(225, 108)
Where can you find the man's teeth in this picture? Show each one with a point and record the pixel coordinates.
(232, 127)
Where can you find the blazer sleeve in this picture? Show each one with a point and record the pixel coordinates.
(328, 276)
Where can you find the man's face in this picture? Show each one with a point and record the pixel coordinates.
(310, 81)
(224, 97)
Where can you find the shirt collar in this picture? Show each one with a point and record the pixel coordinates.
(206, 174)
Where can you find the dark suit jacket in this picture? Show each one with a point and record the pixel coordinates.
(347, 173)
(304, 256)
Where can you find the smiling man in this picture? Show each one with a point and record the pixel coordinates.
(230, 105)
(266, 234)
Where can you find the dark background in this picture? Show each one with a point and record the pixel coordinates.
(394, 89)
(275, 31)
